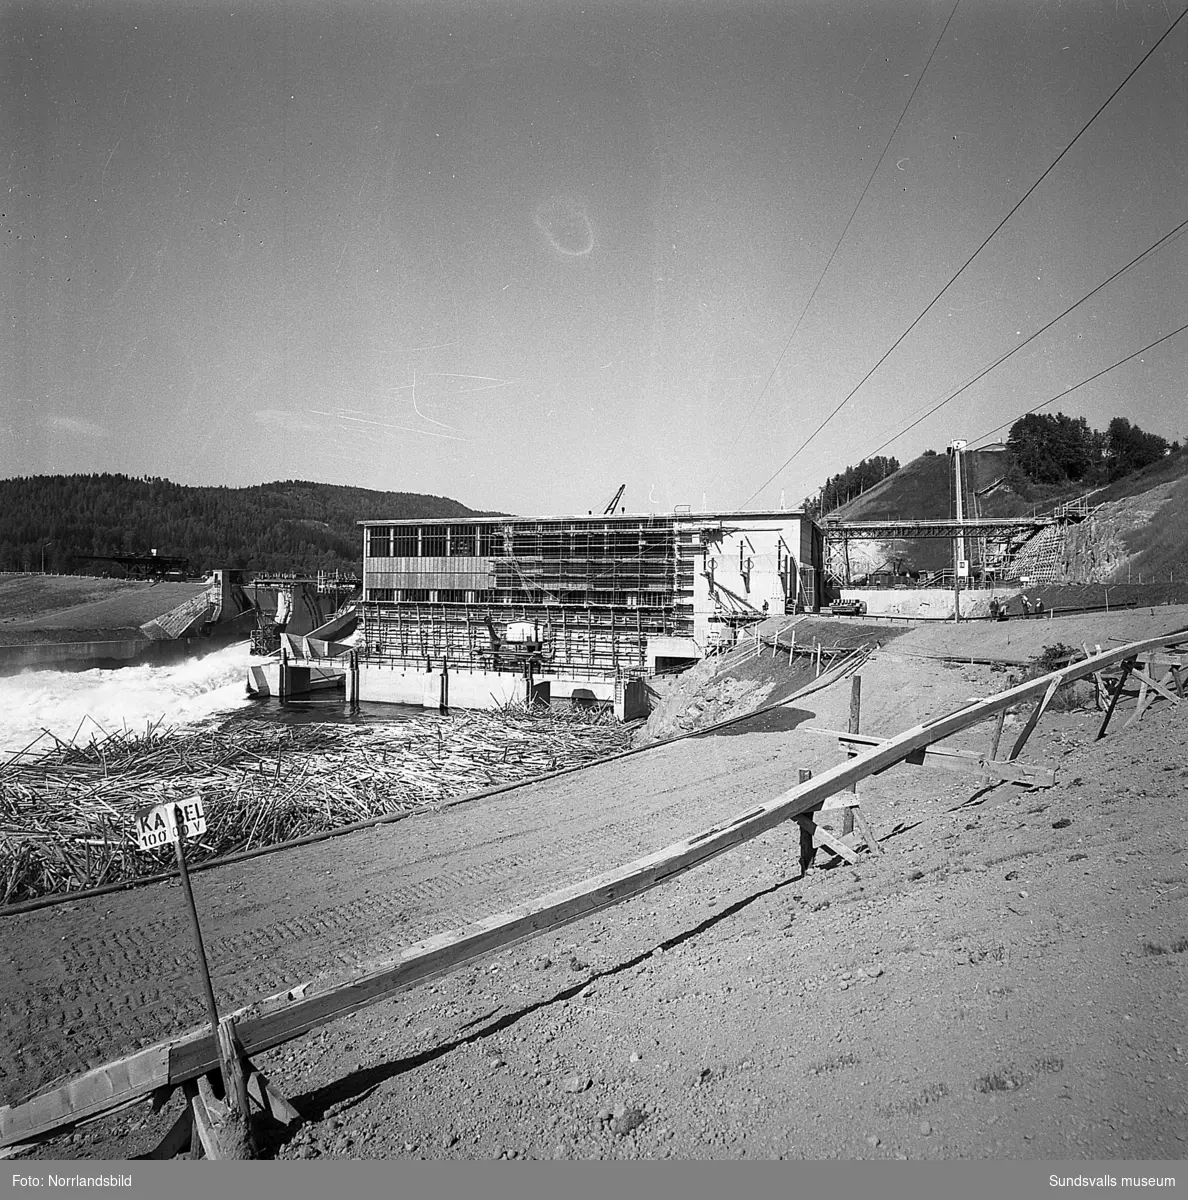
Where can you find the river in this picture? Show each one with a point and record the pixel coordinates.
(82, 705)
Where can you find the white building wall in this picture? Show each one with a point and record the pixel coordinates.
(750, 561)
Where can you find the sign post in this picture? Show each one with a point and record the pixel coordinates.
(219, 1126)
(171, 822)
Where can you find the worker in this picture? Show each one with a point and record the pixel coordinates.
(1039, 606)
(1026, 606)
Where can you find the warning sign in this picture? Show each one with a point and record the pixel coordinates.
(158, 826)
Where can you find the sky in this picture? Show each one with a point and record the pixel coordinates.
(520, 253)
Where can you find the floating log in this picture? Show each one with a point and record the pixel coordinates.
(66, 814)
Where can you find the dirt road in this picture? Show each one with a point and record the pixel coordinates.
(1009, 980)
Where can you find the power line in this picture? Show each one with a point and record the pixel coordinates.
(845, 400)
(841, 238)
(1098, 375)
(1015, 350)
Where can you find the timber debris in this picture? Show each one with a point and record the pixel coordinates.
(67, 812)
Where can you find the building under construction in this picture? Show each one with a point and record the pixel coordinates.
(498, 608)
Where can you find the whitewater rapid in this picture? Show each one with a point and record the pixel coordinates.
(82, 705)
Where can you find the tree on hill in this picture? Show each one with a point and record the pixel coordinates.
(1128, 448)
(1053, 449)
(853, 481)
(292, 525)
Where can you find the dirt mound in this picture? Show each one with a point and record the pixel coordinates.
(762, 670)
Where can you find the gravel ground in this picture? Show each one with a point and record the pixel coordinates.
(1006, 981)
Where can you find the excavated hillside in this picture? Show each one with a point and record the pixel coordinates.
(1101, 548)
(1138, 526)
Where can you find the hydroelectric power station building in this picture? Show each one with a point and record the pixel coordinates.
(478, 613)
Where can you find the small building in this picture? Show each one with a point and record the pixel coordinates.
(494, 609)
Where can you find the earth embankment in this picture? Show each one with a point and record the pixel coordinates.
(1008, 980)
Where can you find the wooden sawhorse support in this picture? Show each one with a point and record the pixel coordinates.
(210, 1127)
(813, 837)
(1145, 668)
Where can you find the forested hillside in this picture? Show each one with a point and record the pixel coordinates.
(1046, 461)
(1056, 450)
(853, 481)
(286, 526)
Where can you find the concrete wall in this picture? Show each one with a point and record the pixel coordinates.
(632, 700)
(758, 559)
(303, 678)
(589, 691)
(57, 655)
(465, 689)
(929, 603)
(671, 647)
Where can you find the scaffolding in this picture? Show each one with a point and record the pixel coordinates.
(595, 589)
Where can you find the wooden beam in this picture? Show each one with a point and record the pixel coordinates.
(1155, 685)
(179, 1138)
(190, 1091)
(1098, 682)
(204, 1121)
(855, 724)
(808, 848)
(984, 777)
(822, 837)
(966, 761)
(290, 1014)
(235, 1089)
(1116, 693)
(1032, 720)
(222, 1128)
(1140, 703)
(840, 800)
(87, 1095)
(867, 831)
(269, 1099)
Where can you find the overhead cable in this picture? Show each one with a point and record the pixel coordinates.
(969, 260)
(841, 238)
(1015, 350)
(1061, 395)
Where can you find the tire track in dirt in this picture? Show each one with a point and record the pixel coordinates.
(94, 979)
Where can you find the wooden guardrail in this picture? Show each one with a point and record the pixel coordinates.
(287, 1015)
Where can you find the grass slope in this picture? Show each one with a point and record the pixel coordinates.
(922, 490)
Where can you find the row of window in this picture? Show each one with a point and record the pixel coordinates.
(430, 595)
(394, 595)
(487, 541)
(434, 541)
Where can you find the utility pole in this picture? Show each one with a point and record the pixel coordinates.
(961, 562)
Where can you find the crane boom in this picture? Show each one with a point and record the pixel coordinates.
(610, 508)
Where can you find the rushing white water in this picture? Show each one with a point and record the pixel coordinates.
(82, 705)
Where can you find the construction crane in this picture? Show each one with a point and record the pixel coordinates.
(610, 508)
